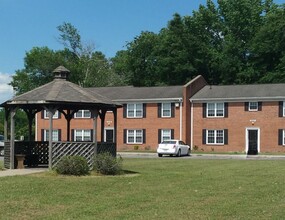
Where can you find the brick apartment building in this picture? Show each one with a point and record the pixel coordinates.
(239, 118)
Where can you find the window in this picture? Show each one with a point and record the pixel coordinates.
(215, 137)
(134, 136)
(135, 110)
(215, 109)
(55, 135)
(165, 134)
(82, 114)
(82, 135)
(166, 109)
(46, 115)
(253, 106)
(283, 109)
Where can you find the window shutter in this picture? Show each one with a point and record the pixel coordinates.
(42, 134)
(159, 110)
(159, 136)
(124, 110)
(42, 114)
(204, 110)
(125, 136)
(280, 109)
(59, 134)
(204, 136)
(72, 135)
(144, 136)
(259, 106)
(172, 133)
(172, 110)
(280, 136)
(59, 115)
(226, 136)
(226, 106)
(91, 133)
(144, 110)
(246, 106)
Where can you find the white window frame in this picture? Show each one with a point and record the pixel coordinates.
(135, 134)
(55, 135)
(165, 134)
(82, 135)
(46, 115)
(82, 112)
(251, 105)
(166, 110)
(137, 110)
(283, 137)
(216, 111)
(215, 136)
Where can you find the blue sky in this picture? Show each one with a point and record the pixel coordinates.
(109, 24)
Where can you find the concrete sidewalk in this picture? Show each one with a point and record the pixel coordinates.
(17, 172)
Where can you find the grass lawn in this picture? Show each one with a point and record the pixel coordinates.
(165, 188)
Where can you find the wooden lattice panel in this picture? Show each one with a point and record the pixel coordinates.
(84, 149)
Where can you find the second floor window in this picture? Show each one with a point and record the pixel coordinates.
(215, 109)
(253, 106)
(135, 110)
(82, 114)
(46, 115)
(166, 109)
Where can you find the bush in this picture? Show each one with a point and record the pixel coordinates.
(136, 147)
(106, 164)
(72, 165)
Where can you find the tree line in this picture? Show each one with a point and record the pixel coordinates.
(230, 42)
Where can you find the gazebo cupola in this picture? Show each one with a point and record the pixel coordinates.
(61, 73)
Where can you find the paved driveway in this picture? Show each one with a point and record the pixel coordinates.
(204, 156)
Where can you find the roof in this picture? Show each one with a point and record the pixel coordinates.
(131, 93)
(60, 91)
(255, 92)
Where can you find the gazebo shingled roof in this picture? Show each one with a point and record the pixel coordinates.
(61, 91)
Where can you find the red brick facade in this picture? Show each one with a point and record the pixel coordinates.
(238, 122)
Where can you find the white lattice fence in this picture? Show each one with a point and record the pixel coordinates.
(84, 149)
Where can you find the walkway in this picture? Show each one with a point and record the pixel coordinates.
(17, 172)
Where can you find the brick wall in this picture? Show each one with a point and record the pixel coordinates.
(267, 121)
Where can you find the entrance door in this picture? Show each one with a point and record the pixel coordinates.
(109, 135)
(252, 141)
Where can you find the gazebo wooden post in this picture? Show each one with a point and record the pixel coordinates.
(50, 114)
(7, 112)
(12, 138)
(95, 116)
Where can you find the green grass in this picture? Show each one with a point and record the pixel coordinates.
(166, 188)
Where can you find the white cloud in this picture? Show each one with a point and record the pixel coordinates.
(6, 91)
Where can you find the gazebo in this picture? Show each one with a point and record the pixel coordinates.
(67, 98)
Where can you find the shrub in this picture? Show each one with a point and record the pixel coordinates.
(196, 147)
(72, 165)
(136, 147)
(106, 164)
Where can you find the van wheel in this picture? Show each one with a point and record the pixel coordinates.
(159, 155)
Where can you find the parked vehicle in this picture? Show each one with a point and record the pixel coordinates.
(173, 148)
(1, 145)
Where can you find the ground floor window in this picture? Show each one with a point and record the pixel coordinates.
(134, 136)
(165, 134)
(55, 135)
(82, 135)
(211, 136)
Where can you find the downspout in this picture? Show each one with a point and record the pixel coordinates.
(191, 121)
(180, 120)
